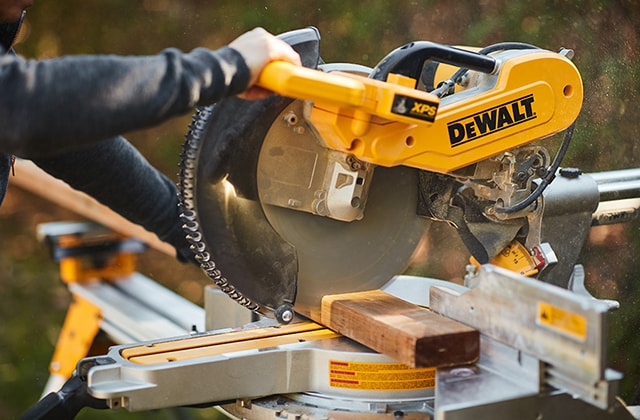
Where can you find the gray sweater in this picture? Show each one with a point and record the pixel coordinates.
(66, 114)
(54, 105)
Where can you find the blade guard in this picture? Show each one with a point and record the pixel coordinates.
(218, 178)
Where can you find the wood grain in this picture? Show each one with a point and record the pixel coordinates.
(406, 332)
(33, 179)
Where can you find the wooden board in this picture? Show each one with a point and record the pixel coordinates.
(409, 333)
(33, 179)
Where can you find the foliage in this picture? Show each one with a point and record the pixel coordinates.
(604, 34)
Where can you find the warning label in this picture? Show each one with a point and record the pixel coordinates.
(561, 320)
(379, 376)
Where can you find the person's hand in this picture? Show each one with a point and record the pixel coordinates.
(258, 48)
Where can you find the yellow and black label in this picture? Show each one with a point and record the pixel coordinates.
(514, 257)
(563, 321)
(414, 108)
(492, 120)
(379, 376)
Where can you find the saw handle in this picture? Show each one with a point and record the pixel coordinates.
(298, 82)
(409, 60)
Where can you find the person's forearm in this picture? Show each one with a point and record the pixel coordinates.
(118, 176)
(59, 104)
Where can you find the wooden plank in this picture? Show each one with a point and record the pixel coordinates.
(409, 333)
(33, 179)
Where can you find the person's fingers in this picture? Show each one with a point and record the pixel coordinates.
(258, 48)
(255, 93)
(280, 50)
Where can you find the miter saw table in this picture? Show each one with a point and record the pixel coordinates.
(542, 356)
(553, 365)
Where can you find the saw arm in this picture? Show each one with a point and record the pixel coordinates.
(526, 95)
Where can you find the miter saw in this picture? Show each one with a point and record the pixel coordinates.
(275, 191)
(328, 187)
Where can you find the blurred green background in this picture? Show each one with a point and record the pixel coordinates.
(605, 35)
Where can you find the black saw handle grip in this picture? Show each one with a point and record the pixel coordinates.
(409, 59)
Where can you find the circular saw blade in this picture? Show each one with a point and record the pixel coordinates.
(221, 211)
(334, 256)
(269, 257)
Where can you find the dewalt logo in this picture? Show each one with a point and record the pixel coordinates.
(491, 120)
(414, 108)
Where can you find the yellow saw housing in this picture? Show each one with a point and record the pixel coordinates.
(532, 94)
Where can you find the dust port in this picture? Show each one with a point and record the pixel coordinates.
(567, 91)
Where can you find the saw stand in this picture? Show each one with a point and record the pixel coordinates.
(98, 267)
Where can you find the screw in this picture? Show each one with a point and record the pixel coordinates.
(542, 172)
(353, 163)
(291, 118)
(284, 313)
(287, 316)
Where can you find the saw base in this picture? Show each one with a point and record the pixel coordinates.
(320, 407)
(302, 357)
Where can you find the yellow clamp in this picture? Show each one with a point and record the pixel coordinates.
(81, 268)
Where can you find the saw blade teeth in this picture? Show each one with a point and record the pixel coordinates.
(203, 257)
(190, 225)
(208, 266)
(189, 216)
(200, 249)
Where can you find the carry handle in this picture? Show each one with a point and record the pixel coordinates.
(299, 82)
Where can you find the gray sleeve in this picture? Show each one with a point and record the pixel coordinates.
(49, 106)
(117, 175)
